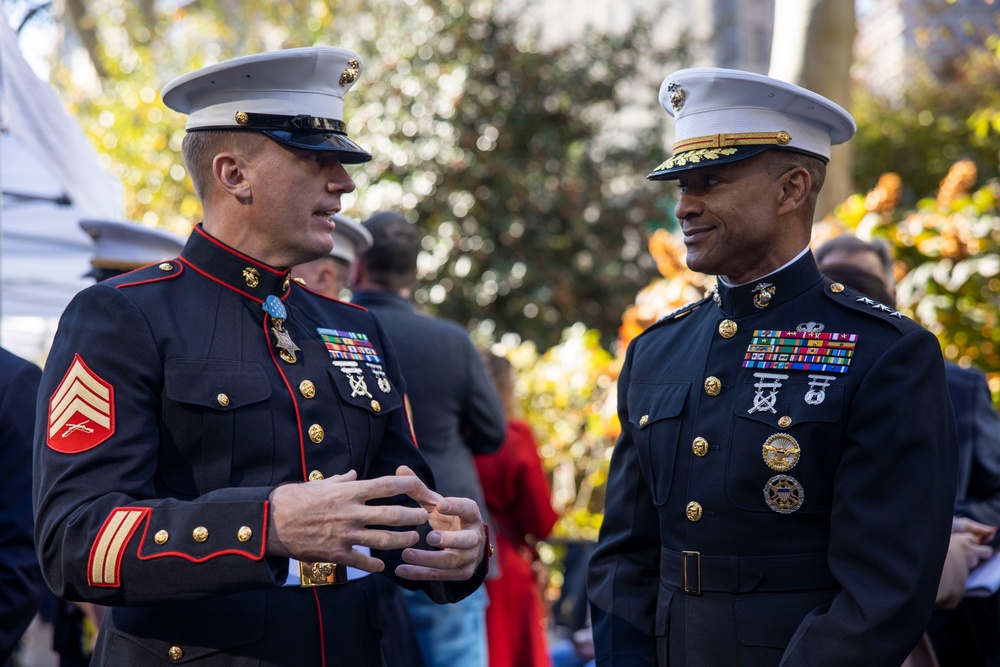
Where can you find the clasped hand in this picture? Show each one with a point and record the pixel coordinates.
(324, 520)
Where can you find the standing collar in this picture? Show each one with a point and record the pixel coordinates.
(769, 291)
(215, 260)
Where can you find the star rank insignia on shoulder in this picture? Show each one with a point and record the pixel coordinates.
(855, 300)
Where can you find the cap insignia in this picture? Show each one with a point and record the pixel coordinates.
(677, 95)
(350, 74)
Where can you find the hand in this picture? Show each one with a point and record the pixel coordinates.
(457, 530)
(983, 533)
(971, 551)
(324, 520)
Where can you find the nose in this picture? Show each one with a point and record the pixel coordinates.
(338, 180)
(687, 206)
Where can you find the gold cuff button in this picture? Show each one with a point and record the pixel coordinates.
(316, 433)
(307, 389)
(166, 266)
(713, 386)
(200, 534)
(376, 406)
(699, 446)
(693, 511)
(727, 328)
(643, 420)
(315, 476)
(161, 537)
(244, 534)
(222, 399)
(175, 653)
(785, 422)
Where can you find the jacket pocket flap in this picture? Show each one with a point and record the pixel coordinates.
(649, 403)
(215, 383)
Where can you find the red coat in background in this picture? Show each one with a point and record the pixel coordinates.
(517, 497)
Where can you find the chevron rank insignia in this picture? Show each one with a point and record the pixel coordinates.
(81, 411)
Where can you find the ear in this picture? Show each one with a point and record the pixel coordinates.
(229, 170)
(795, 186)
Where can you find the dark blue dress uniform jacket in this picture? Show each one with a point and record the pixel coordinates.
(166, 417)
(846, 578)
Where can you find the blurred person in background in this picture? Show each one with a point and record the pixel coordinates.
(455, 410)
(518, 499)
(330, 275)
(965, 632)
(21, 585)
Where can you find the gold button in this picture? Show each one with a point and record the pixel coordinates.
(161, 537)
(251, 276)
(315, 476)
(200, 534)
(376, 406)
(307, 389)
(244, 534)
(300, 281)
(727, 328)
(699, 446)
(166, 266)
(175, 653)
(713, 386)
(693, 511)
(836, 288)
(222, 399)
(643, 420)
(783, 137)
(316, 433)
(785, 422)
(242, 118)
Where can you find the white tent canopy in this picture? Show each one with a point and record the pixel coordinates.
(50, 179)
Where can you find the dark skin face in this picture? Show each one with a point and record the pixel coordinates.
(745, 219)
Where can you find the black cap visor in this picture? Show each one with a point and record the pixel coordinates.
(334, 142)
(705, 157)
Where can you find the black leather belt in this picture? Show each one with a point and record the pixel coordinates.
(694, 572)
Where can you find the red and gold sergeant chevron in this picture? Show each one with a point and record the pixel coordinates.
(81, 411)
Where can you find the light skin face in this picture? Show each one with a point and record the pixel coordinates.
(276, 206)
(741, 222)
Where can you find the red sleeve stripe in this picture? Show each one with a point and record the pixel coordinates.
(109, 547)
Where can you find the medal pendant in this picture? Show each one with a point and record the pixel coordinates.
(286, 347)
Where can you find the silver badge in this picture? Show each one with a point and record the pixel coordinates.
(761, 402)
(380, 378)
(810, 327)
(817, 388)
(355, 376)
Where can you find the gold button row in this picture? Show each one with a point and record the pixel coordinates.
(200, 534)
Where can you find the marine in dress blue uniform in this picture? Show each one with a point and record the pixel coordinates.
(781, 492)
(179, 400)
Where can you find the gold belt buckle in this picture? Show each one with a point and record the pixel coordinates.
(691, 588)
(321, 574)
